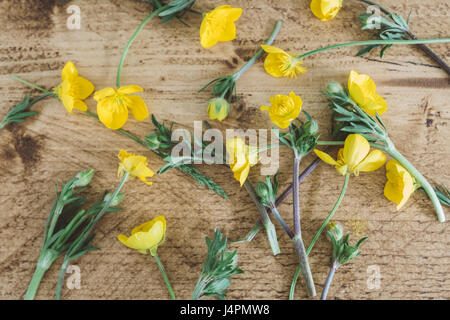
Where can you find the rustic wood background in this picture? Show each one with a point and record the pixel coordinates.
(410, 247)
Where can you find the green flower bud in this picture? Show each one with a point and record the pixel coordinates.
(336, 230)
(311, 127)
(118, 199)
(264, 193)
(334, 88)
(218, 108)
(84, 178)
(152, 141)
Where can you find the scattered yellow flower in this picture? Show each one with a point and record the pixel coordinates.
(355, 156)
(218, 108)
(113, 104)
(400, 185)
(325, 9)
(284, 109)
(279, 63)
(218, 25)
(242, 158)
(363, 91)
(146, 237)
(135, 165)
(73, 89)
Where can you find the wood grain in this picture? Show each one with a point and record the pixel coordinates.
(410, 247)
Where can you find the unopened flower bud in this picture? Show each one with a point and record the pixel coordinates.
(334, 88)
(218, 108)
(311, 127)
(84, 178)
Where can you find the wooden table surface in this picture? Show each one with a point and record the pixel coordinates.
(409, 248)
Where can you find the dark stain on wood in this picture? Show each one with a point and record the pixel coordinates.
(33, 16)
(27, 148)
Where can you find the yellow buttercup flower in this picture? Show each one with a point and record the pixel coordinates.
(218, 25)
(113, 105)
(135, 165)
(279, 63)
(284, 109)
(400, 185)
(355, 156)
(325, 9)
(73, 89)
(218, 108)
(146, 237)
(242, 158)
(363, 91)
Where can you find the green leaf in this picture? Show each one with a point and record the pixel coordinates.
(219, 266)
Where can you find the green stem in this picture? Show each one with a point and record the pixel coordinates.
(370, 42)
(62, 273)
(264, 216)
(32, 85)
(136, 33)
(166, 278)
(44, 262)
(392, 151)
(370, 3)
(324, 224)
(199, 287)
(260, 51)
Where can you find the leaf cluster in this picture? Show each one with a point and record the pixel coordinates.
(391, 27)
(223, 87)
(20, 112)
(220, 265)
(342, 251)
(160, 142)
(349, 117)
(302, 137)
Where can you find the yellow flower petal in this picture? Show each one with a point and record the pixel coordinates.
(126, 90)
(272, 49)
(69, 71)
(218, 25)
(325, 157)
(325, 9)
(67, 102)
(284, 109)
(135, 165)
(147, 236)
(374, 160)
(375, 104)
(356, 148)
(104, 93)
(138, 107)
(111, 113)
(400, 184)
(80, 105)
(85, 88)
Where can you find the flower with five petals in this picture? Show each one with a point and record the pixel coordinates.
(113, 105)
(146, 237)
(135, 165)
(242, 158)
(218, 25)
(279, 63)
(355, 157)
(284, 109)
(362, 90)
(73, 89)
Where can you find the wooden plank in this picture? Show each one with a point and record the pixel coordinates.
(410, 247)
